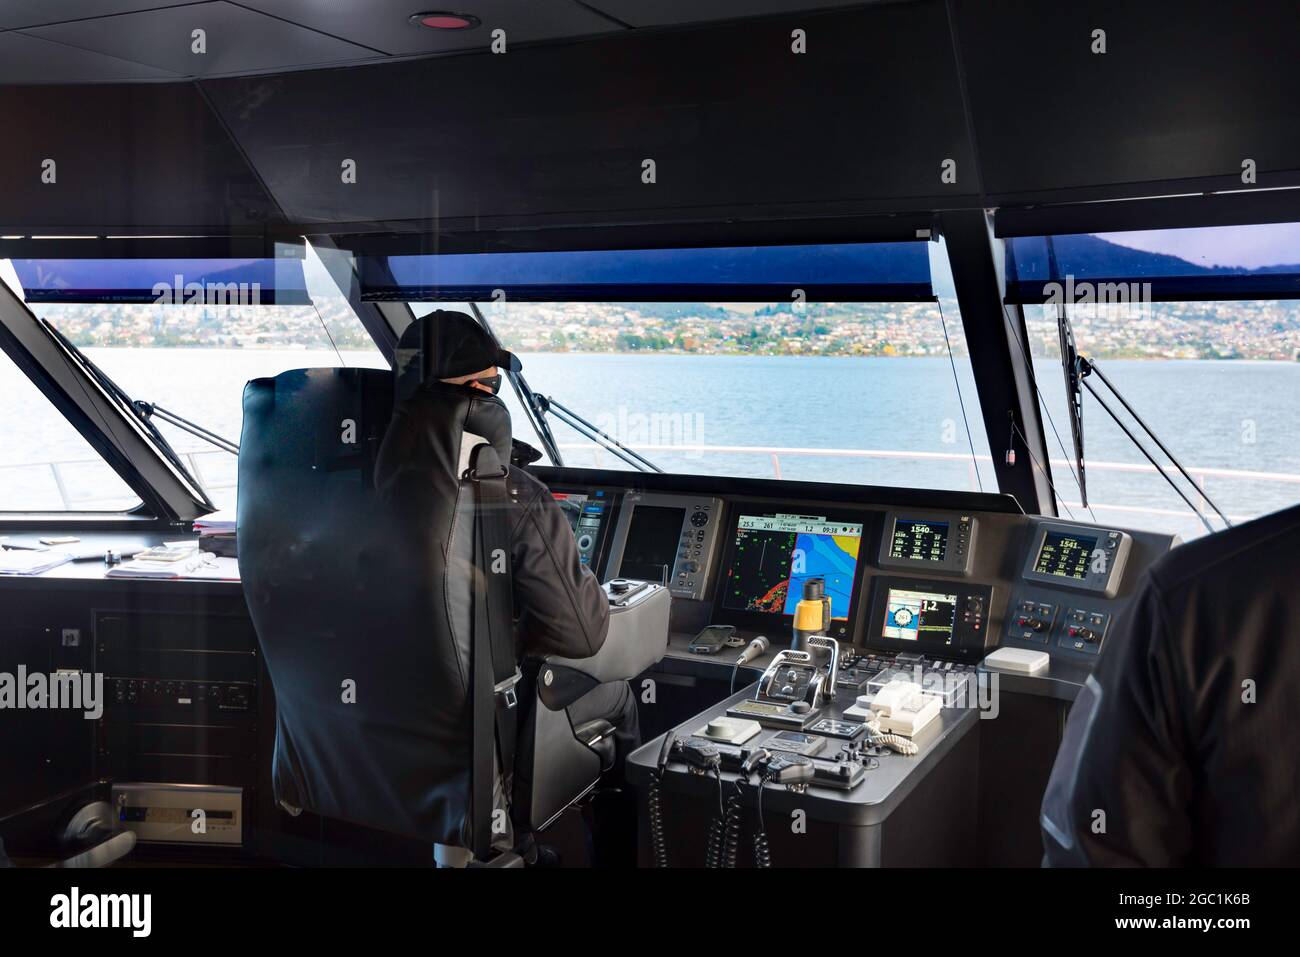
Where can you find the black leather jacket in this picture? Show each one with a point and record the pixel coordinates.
(1180, 749)
(559, 605)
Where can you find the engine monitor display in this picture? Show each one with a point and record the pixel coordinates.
(1064, 555)
(773, 555)
(919, 616)
(919, 541)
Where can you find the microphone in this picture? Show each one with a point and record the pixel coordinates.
(756, 648)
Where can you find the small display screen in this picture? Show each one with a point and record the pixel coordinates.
(652, 541)
(584, 511)
(919, 541)
(919, 616)
(1065, 555)
(773, 555)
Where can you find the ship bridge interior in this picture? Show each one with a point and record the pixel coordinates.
(859, 363)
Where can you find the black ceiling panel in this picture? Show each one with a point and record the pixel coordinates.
(137, 155)
(31, 13)
(1183, 94)
(730, 115)
(237, 40)
(383, 24)
(640, 13)
(25, 59)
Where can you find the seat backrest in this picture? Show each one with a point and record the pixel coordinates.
(359, 599)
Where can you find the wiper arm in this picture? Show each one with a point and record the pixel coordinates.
(1086, 368)
(120, 395)
(148, 409)
(600, 437)
(537, 406)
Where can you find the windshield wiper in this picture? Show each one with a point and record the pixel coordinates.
(1078, 369)
(143, 412)
(148, 409)
(594, 433)
(536, 407)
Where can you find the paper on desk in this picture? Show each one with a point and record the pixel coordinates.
(207, 569)
(222, 520)
(29, 562)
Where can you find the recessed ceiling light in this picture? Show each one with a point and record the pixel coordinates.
(444, 21)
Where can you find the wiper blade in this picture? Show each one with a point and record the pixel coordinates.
(119, 394)
(1078, 368)
(1073, 364)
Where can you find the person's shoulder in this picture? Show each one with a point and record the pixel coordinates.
(1239, 559)
(526, 487)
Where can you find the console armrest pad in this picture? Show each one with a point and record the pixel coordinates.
(637, 639)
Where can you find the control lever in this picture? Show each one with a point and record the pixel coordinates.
(821, 641)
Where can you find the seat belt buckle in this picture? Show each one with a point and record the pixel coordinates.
(505, 690)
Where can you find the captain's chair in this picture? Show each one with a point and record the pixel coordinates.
(387, 631)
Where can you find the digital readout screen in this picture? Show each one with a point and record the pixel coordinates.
(919, 541)
(1065, 555)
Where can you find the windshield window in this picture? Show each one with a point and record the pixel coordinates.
(45, 464)
(1219, 382)
(194, 360)
(831, 392)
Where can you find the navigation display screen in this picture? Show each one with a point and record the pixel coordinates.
(774, 555)
(1065, 555)
(919, 541)
(652, 541)
(919, 616)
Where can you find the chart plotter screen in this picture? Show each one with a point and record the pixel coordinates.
(773, 555)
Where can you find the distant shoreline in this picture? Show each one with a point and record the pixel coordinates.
(1107, 357)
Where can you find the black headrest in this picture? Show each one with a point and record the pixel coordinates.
(445, 345)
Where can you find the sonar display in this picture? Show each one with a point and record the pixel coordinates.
(774, 555)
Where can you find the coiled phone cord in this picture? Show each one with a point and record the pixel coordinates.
(717, 829)
(655, 805)
(762, 852)
(879, 739)
(731, 828)
(894, 741)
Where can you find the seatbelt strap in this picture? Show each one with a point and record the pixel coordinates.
(495, 670)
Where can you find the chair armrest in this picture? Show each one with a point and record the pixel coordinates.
(637, 639)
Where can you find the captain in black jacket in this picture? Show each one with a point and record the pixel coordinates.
(1181, 748)
(559, 605)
